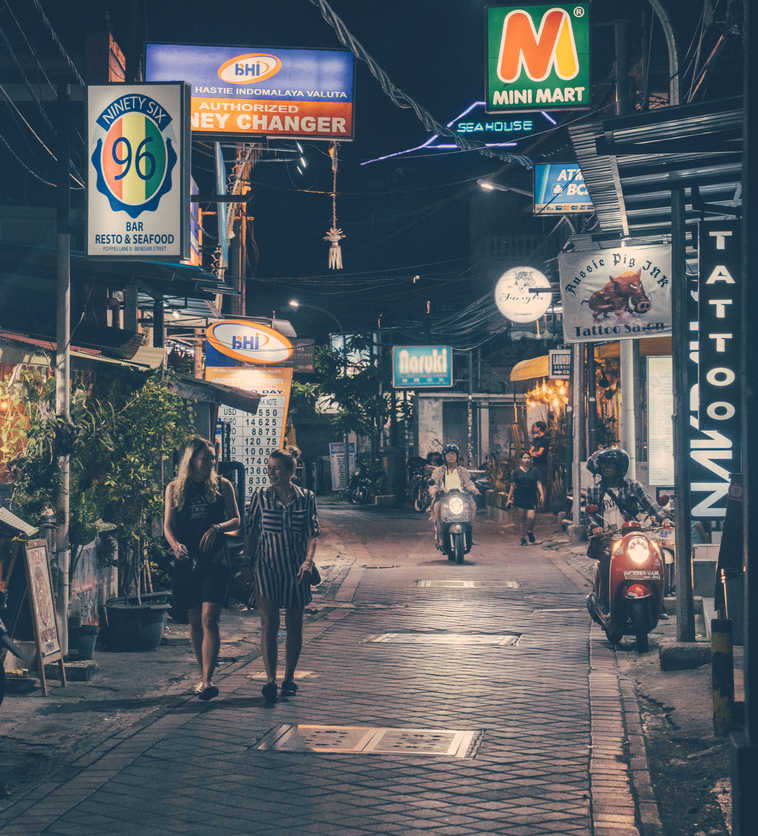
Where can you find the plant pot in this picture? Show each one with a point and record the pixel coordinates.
(86, 638)
(133, 627)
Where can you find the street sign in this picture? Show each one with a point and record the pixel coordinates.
(622, 293)
(247, 342)
(515, 295)
(254, 91)
(538, 57)
(559, 189)
(422, 366)
(559, 364)
(138, 167)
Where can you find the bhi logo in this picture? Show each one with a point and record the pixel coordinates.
(538, 57)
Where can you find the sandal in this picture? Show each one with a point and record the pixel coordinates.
(208, 693)
(289, 688)
(269, 692)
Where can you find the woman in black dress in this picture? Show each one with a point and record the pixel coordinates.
(525, 493)
(200, 506)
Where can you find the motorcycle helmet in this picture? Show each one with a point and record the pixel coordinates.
(451, 448)
(613, 455)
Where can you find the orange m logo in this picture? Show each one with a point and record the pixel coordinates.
(536, 53)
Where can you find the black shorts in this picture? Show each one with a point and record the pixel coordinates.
(194, 587)
(529, 503)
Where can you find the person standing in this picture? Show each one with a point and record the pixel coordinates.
(538, 449)
(200, 506)
(525, 492)
(282, 527)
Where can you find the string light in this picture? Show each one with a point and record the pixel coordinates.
(554, 393)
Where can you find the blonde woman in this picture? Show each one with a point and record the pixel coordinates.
(200, 506)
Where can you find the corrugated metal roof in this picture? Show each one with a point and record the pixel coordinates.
(631, 163)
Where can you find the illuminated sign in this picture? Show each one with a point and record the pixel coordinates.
(475, 125)
(559, 188)
(559, 364)
(715, 421)
(422, 366)
(538, 56)
(138, 171)
(620, 293)
(249, 342)
(515, 297)
(305, 93)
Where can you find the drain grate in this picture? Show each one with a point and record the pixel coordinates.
(372, 740)
(464, 584)
(498, 639)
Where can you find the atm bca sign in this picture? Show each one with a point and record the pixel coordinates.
(538, 56)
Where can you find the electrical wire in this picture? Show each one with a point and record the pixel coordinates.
(399, 97)
(24, 165)
(56, 40)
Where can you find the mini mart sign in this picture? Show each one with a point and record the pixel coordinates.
(538, 57)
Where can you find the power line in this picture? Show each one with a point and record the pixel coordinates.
(399, 97)
(56, 40)
(24, 165)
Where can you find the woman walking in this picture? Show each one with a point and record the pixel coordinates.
(282, 528)
(525, 492)
(200, 506)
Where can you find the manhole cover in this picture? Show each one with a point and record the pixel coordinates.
(559, 610)
(499, 639)
(371, 740)
(380, 566)
(458, 583)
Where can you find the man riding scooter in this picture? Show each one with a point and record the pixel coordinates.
(445, 478)
(617, 499)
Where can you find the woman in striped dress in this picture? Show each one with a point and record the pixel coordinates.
(282, 526)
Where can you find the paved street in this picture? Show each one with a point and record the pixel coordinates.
(434, 698)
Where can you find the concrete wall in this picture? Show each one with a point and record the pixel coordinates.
(429, 425)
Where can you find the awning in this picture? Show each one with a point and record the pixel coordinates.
(18, 349)
(649, 347)
(529, 369)
(195, 389)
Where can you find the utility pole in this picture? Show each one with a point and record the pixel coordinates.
(63, 360)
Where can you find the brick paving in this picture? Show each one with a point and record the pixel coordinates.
(556, 745)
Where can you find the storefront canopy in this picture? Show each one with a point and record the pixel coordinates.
(530, 369)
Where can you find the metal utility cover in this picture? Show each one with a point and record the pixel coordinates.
(458, 583)
(498, 639)
(370, 740)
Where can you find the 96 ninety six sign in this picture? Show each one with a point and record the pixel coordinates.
(538, 56)
(138, 171)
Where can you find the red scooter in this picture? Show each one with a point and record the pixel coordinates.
(634, 583)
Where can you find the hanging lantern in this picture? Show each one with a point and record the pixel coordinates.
(334, 234)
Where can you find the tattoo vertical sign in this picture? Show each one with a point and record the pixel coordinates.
(715, 446)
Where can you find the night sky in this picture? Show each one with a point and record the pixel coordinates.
(409, 214)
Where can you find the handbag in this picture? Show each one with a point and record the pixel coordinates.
(312, 578)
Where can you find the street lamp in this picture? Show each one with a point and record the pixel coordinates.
(296, 304)
(489, 186)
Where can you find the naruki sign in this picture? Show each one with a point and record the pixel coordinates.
(538, 56)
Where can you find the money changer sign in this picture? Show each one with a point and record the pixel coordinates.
(138, 171)
(622, 293)
(538, 57)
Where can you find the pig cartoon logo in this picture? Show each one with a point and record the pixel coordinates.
(619, 295)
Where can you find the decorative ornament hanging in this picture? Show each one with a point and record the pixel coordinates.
(334, 234)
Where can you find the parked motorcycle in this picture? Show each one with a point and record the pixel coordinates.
(457, 510)
(5, 645)
(366, 482)
(418, 484)
(635, 582)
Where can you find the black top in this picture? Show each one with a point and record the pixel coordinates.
(196, 516)
(541, 441)
(525, 486)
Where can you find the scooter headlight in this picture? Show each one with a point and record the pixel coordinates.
(455, 505)
(638, 549)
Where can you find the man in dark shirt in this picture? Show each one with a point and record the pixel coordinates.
(538, 450)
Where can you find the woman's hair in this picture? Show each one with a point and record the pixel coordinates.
(541, 425)
(211, 486)
(285, 458)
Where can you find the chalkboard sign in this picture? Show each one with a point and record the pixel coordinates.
(42, 606)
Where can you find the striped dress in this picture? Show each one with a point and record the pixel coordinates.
(280, 534)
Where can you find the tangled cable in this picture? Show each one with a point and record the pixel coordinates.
(399, 97)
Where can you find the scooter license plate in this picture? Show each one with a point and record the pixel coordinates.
(641, 575)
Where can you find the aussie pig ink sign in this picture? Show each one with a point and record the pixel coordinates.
(616, 294)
